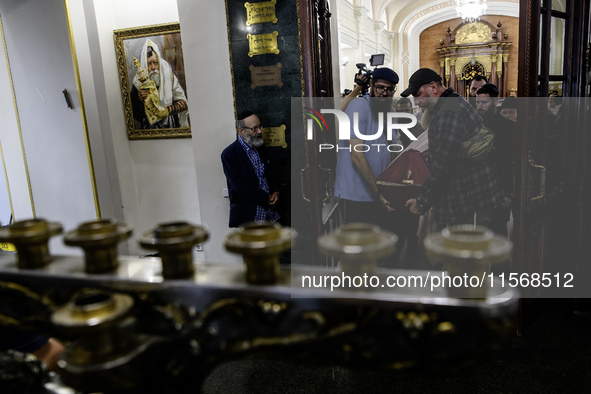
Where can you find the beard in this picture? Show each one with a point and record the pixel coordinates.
(427, 108)
(380, 104)
(427, 118)
(485, 115)
(254, 141)
(155, 76)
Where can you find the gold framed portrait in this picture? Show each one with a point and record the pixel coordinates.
(152, 78)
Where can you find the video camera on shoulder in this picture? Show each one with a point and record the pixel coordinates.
(363, 77)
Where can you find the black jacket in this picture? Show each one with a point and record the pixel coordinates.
(243, 184)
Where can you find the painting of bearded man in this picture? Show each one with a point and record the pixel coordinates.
(154, 89)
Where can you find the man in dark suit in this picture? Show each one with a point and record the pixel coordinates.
(503, 152)
(252, 184)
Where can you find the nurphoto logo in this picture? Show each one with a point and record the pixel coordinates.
(344, 123)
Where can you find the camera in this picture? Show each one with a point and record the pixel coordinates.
(374, 60)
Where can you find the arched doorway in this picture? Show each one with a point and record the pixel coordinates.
(475, 48)
(469, 71)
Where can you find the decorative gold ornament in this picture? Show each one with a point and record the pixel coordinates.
(408, 179)
(472, 33)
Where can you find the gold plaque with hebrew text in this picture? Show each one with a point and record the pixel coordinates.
(260, 12)
(274, 136)
(261, 44)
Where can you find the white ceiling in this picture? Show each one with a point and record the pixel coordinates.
(393, 12)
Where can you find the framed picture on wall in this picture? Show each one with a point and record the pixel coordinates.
(152, 78)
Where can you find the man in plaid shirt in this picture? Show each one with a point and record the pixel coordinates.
(456, 188)
(252, 182)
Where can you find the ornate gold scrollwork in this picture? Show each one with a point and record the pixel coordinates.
(303, 183)
(473, 33)
(327, 177)
(541, 192)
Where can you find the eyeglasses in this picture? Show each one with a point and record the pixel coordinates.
(381, 89)
(253, 128)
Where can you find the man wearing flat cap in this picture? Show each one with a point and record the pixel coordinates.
(509, 108)
(456, 188)
(252, 185)
(503, 153)
(357, 166)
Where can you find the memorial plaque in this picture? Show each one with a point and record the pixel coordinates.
(261, 44)
(260, 12)
(265, 76)
(274, 136)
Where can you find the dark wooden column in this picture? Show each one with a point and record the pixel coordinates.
(504, 77)
(493, 70)
(316, 63)
(453, 81)
(529, 22)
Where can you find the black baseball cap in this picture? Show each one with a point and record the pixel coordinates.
(385, 73)
(421, 77)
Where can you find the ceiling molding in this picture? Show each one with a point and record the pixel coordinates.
(431, 19)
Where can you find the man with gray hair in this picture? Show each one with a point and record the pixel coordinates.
(252, 183)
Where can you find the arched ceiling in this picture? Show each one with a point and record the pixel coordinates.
(408, 18)
(393, 12)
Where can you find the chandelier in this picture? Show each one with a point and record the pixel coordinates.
(470, 10)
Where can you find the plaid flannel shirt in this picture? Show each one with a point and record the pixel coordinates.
(455, 187)
(262, 214)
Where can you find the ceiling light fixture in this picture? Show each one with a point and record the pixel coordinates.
(470, 10)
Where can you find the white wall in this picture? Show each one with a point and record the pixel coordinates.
(12, 150)
(357, 37)
(51, 134)
(5, 209)
(335, 49)
(154, 181)
(147, 182)
(206, 51)
(99, 131)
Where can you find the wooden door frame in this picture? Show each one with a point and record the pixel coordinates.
(314, 21)
(529, 20)
(575, 84)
